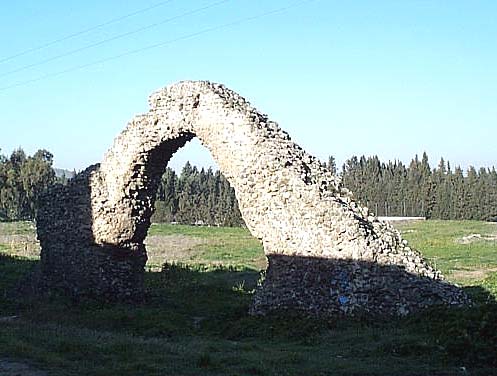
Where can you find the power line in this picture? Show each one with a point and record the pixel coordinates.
(119, 36)
(161, 44)
(85, 31)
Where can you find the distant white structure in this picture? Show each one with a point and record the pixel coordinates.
(396, 219)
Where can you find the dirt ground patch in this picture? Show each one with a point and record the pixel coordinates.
(160, 248)
(477, 274)
(178, 248)
(25, 245)
(476, 237)
(11, 368)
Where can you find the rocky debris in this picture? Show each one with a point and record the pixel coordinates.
(92, 230)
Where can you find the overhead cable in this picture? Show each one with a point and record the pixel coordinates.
(84, 31)
(160, 44)
(119, 36)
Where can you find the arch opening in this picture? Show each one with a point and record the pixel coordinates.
(327, 254)
(191, 195)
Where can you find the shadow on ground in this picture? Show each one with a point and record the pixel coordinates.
(202, 304)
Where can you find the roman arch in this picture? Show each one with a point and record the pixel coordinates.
(327, 254)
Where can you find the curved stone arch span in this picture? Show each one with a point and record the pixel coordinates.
(327, 254)
(275, 181)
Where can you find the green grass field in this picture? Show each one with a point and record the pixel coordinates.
(461, 249)
(194, 319)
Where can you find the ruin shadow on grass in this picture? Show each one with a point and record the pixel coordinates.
(326, 287)
(209, 305)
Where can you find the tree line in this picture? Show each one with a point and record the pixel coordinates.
(196, 197)
(193, 197)
(204, 196)
(394, 189)
(388, 189)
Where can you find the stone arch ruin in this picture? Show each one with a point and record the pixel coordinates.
(327, 255)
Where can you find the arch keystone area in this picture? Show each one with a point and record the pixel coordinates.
(327, 255)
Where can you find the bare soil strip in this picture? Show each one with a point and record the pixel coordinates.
(476, 237)
(468, 275)
(178, 248)
(25, 245)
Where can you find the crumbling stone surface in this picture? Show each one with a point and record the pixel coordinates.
(327, 254)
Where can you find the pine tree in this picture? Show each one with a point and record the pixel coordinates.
(442, 193)
(490, 195)
(459, 195)
(332, 166)
(427, 187)
(414, 194)
(473, 199)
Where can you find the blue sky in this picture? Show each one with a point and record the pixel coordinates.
(386, 78)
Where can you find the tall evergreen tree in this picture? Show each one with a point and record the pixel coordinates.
(22, 179)
(332, 166)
